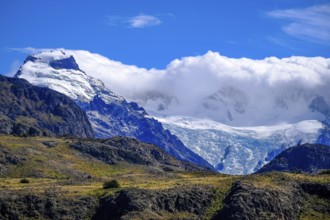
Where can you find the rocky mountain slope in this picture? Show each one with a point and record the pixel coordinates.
(109, 114)
(30, 110)
(307, 158)
(111, 151)
(118, 149)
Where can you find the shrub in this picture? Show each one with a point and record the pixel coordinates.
(111, 184)
(325, 172)
(25, 180)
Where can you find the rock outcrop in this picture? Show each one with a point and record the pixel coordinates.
(246, 201)
(118, 149)
(46, 207)
(27, 110)
(307, 158)
(147, 204)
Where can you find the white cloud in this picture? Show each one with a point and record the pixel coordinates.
(142, 21)
(258, 84)
(32, 50)
(310, 23)
(270, 90)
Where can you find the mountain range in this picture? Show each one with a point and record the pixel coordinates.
(52, 173)
(237, 126)
(110, 114)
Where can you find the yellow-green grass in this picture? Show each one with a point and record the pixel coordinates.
(309, 212)
(66, 172)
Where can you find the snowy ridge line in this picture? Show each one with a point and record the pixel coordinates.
(308, 126)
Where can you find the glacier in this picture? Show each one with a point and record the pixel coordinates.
(240, 150)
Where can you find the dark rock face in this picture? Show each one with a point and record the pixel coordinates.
(43, 207)
(247, 202)
(324, 138)
(309, 158)
(27, 110)
(322, 190)
(130, 203)
(67, 63)
(116, 149)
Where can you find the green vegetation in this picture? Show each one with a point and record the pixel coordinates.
(24, 180)
(111, 184)
(221, 192)
(312, 209)
(324, 172)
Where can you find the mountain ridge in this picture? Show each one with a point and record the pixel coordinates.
(306, 158)
(293, 105)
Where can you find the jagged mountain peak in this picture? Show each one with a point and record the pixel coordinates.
(65, 63)
(59, 71)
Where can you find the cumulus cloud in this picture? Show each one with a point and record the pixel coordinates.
(310, 23)
(140, 21)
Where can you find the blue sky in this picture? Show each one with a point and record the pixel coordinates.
(151, 33)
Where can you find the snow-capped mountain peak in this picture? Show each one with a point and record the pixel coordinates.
(59, 71)
(236, 113)
(109, 114)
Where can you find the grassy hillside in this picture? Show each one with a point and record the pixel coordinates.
(56, 170)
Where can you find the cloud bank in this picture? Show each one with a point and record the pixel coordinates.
(238, 92)
(234, 91)
(310, 23)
